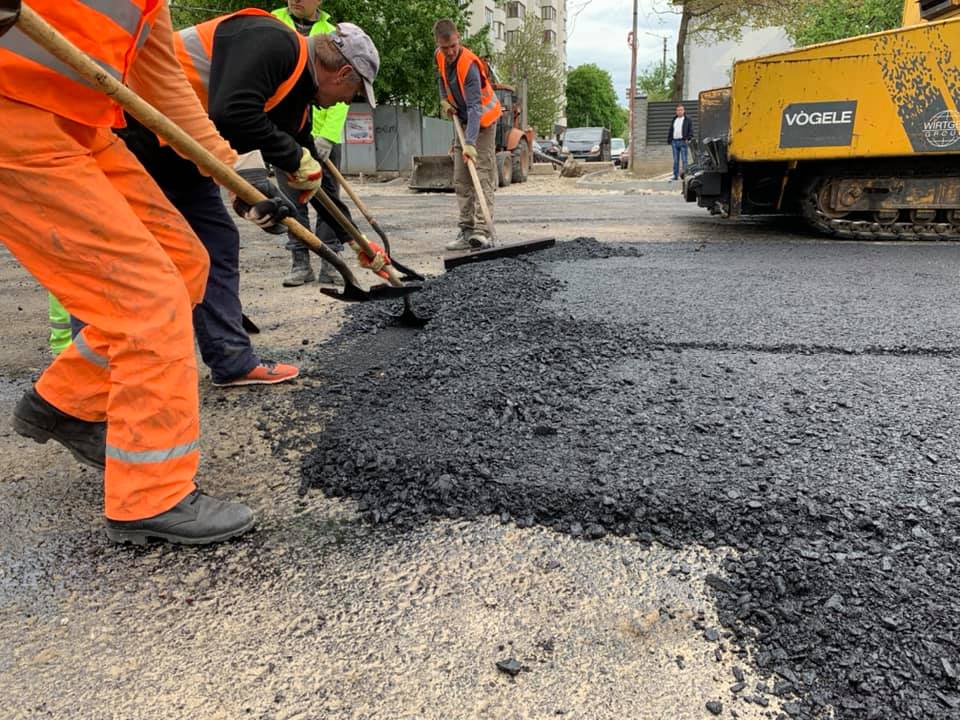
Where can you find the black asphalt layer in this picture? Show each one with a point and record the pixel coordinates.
(793, 401)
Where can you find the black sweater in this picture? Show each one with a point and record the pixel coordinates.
(687, 129)
(252, 57)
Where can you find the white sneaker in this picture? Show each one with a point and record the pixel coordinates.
(480, 241)
(462, 242)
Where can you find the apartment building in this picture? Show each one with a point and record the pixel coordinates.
(504, 18)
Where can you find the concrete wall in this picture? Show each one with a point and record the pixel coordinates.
(709, 64)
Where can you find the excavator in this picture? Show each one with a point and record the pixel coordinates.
(859, 136)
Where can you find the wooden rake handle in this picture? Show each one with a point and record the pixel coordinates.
(338, 176)
(45, 35)
(477, 187)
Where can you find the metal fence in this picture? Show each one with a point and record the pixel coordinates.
(661, 114)
(387, 139)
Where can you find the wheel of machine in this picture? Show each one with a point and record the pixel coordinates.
(521, 161)
(823, 202)
(504, 169)
(815, 205)
(922, 216)
(953, 218)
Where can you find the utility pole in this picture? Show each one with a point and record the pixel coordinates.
(664, 65)
(633, 88)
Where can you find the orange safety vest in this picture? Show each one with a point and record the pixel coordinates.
(110, 31)
(489, 104)
(194, 49)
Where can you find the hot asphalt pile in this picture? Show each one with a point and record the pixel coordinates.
(537, 394)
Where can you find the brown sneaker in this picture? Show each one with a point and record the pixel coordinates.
(263, 374)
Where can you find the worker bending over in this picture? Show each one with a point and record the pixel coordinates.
(257, 79)
(466, 91)
(307, 18)
(84, 218)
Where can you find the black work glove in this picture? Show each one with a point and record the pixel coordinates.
(267, 214)
(9, 12)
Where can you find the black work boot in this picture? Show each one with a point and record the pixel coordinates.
(329, 275)
(300, 270)
(198, 519)
(35, 418)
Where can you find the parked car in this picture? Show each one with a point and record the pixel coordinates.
(587, 143)
(549, 147)
(616, 149)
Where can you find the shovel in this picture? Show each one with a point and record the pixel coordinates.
(498, 251)
(408, 317)
(41, 32)
(477, 188)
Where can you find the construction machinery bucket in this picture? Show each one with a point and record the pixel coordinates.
(432, 172)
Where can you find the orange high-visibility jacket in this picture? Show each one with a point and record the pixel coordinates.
(489, 104)
(110, 31)
(194, 49)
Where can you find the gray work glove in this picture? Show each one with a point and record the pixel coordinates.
(324, 148)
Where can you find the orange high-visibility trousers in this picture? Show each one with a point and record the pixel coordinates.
(84, 218)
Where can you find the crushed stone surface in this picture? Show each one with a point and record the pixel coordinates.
(792, 402)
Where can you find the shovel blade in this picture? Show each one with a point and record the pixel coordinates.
(355, 293)
(408, 318)
(499, 251)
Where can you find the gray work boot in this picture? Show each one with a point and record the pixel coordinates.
(300, 271)
(35, 418)
(462, 242)
(479, 240)
(198, 519)
(328, 274)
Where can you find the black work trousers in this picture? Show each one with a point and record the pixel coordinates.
(218, 321)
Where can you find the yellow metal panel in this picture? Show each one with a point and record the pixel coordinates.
(891, 93)
(911, 13)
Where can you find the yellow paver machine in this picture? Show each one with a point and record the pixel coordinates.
(860, 136)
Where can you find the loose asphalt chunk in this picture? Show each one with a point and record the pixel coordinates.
(812, 459)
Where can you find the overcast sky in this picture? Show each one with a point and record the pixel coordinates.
(597, 33)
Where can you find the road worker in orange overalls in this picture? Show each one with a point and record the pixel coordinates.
(85, 219)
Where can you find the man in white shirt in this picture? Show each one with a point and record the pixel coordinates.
(681, 132)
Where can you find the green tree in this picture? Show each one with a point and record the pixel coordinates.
(722, 20)
(820, 21)
(592, 101)
(401, 30)
(656, 82)
(528, 57)
(621, 125)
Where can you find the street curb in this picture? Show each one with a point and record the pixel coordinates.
(626, 185)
